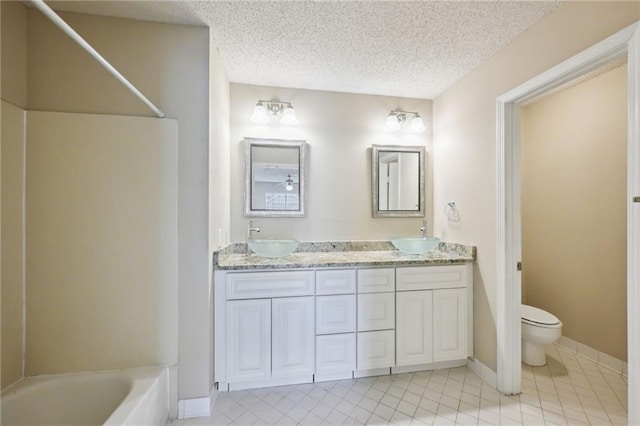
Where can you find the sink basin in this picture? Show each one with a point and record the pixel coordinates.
(273, 248)
(415, 245)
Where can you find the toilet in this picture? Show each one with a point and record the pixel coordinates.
(539, 328)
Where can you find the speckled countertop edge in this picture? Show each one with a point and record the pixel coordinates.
(341, 254)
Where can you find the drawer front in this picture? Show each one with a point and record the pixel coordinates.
(336, 282)
(376, 280)
(376, 349)
(336, 314)
(255, 285)
(376, 311)
(431, 277)
(335, 353)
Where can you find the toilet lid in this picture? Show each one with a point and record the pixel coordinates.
(538, 316)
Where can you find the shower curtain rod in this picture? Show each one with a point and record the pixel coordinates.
(53, 16)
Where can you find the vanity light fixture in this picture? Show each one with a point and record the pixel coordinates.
(275, 107)
(396, 118)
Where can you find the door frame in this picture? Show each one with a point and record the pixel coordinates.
(509, 238)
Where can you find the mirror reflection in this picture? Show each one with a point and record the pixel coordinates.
(274, 177)
(398, 181)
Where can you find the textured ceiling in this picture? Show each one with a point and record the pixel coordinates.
(413, 49)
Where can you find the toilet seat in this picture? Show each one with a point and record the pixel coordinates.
(538, 317)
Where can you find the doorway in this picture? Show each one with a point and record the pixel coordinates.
(509, 240)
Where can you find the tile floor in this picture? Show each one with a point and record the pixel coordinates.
(569, 390)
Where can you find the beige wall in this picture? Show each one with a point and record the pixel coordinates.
(101, 237)
(339, 129)
(13, 92)
(14, 53)
(169, 64)
(12, 230)
(465, 137)
(574, 162)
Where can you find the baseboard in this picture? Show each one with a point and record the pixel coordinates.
(430, 366)
(600, 358)
(194, 407)
(485, 373)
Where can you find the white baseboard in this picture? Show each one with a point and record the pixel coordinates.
(485, 373)
(594, 355)
(194, 407)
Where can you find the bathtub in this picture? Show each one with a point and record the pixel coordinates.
(137, 396)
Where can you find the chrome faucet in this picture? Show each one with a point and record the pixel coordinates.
(425, 229)
(250, 229)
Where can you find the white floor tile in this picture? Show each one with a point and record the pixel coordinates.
(569, 390)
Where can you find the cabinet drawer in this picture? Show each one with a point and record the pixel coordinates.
(431, 277)
(335, 353)
(376, 311)
(335, 314)
(376, 349)
(336, 282)
(376, 280)
(254, 285)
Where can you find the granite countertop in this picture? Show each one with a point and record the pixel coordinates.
(342, 254)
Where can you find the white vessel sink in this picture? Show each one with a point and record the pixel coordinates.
(415, 245)
(273, 248)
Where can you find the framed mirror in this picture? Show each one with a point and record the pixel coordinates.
(274, 178)
(397, 181)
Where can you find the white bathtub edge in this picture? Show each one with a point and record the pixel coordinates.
(147, 402)
(194, 407)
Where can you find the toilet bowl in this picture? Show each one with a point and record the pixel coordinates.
(539, 328)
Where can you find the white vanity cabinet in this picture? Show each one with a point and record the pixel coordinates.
(275, 327)
(269, 337)
(434, 322)
(376, 321)
(335, 324)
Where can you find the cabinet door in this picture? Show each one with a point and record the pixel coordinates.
(449, 324)
(376, 349)
(376, 311)
(335, 314)
(414, 327)
(293, 336)
(335, 353)
(249, 340)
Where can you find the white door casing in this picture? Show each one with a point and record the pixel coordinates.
(625, 42)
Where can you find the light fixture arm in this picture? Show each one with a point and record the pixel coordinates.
(398, 117)
(403, 115)
(275, 106)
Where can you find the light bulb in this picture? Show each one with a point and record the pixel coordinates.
(289, 187)
(392, 124)
(289, 117)
(259, 115)
(417, 125)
